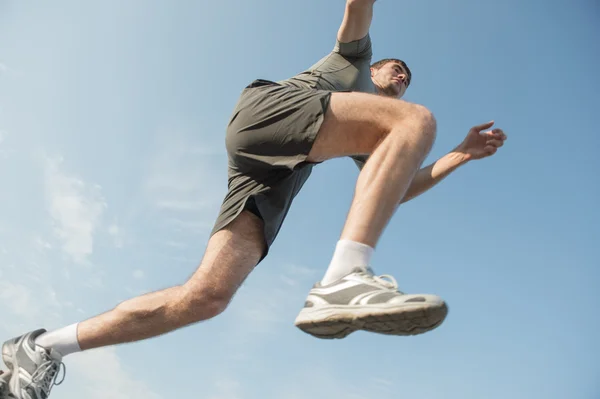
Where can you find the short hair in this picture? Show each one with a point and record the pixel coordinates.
(381, 63)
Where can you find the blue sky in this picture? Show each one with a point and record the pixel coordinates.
(112, 168)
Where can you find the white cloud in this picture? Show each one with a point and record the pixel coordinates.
(76, 209)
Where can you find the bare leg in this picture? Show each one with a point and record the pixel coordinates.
(230, 256)
(397, 134)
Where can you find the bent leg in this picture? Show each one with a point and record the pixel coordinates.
(230, 256)
(396, 134)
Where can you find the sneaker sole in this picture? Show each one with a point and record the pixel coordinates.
(333, 322)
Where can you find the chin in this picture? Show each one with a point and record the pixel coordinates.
(397, 91)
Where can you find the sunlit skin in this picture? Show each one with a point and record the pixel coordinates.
(390, 79)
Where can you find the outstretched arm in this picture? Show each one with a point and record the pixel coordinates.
(476, 145)
(357, 20)
(431, 175)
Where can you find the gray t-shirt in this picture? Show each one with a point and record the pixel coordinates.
(346, 68)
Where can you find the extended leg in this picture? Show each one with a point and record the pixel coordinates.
(230, 256)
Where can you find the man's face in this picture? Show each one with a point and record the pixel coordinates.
(391, 79)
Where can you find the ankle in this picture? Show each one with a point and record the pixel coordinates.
(64, 340)
(347, 256)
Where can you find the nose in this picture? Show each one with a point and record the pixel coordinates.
(403, 77)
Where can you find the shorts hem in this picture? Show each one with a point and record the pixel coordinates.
(220, 225)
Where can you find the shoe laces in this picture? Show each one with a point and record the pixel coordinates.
(47, 372)
(384, 280)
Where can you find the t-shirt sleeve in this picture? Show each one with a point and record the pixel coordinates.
(357, 49)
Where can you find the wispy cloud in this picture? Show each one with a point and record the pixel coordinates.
(76, 209)
(104, 376)
(29, 298)
(26, 303)
(185, 183)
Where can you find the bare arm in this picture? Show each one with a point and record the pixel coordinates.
(476, 145)
(431, 175)
(357, 20)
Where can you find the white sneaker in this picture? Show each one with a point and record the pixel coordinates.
(34, 369)
(363, 301)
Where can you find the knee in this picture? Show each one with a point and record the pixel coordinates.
(422, 123)
(426, 122)
(200, 303)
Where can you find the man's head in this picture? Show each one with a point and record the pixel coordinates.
(391, 77)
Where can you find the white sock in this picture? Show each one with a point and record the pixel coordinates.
(348, 255)
(63, 340)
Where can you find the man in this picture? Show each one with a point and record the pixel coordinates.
(341, 106)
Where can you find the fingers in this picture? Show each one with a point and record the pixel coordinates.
(499, 132)
(490, 150)
(483, 126)
(494, 143)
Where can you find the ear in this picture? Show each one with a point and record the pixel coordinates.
(372, 72)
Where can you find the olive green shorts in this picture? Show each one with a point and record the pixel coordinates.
(269, 137)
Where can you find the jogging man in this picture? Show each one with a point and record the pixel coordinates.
(343, 106)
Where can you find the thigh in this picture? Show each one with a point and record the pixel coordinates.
(230, 256)
(355, 123)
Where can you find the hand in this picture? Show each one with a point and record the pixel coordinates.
(479, 144)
